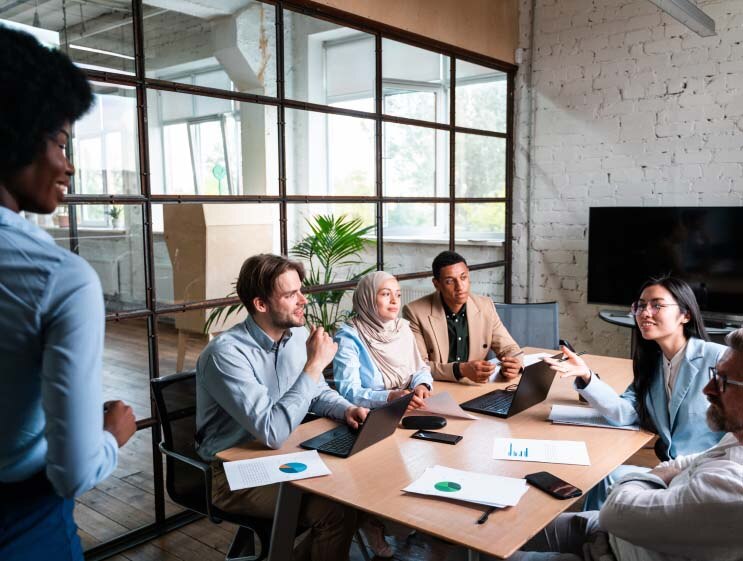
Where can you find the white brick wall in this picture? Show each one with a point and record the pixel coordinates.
(626, 107)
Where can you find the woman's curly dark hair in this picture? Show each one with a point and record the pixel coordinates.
(40, 90)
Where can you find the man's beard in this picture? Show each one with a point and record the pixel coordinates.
(286, 321)
(717, 420)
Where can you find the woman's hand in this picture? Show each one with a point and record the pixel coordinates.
(421, 392)
(572, 365)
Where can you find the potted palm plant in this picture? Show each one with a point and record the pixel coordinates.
(332, 253)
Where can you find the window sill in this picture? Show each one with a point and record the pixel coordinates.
(442, 241)
(88, 232)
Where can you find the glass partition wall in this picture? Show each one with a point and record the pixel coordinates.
(225, 129)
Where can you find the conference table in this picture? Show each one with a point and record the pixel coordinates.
(372, 479)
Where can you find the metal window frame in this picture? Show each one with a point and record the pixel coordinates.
(142, 84)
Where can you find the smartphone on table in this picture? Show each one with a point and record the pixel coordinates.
(437, 436)
(553, 485)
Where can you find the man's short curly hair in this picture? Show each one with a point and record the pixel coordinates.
(40, 90)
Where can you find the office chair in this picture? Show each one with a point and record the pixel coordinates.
(532, 324)
(188, 478)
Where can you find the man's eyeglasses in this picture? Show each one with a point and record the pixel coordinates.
(721, 380)
(654, 307)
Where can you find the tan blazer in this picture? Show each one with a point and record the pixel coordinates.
(486, 331)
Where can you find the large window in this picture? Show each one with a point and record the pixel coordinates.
(232, 128)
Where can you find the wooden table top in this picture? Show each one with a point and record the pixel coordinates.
(372, 479)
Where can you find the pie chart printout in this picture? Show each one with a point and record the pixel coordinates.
(448, 486)
(292, 467)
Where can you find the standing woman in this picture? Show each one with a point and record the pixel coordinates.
(670, 360)
(56, 442)
(377, 359)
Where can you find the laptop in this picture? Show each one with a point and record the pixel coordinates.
(533, 388)
(344, 441)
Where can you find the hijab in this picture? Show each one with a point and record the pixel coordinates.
(391, 343)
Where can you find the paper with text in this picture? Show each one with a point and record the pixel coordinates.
(244, 474)
(548, 451)
(583, 416)
(528, 361)
(480, 488)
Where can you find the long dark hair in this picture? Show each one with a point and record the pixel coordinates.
(646, 354)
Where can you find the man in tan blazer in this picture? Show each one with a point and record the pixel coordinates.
(455, 330)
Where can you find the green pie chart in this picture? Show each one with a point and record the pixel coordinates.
(448, 486)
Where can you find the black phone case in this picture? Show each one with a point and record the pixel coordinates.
(436, 437)
(534, 480)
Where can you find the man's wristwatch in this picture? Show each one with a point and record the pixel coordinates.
(457, 373)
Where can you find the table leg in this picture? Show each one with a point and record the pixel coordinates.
(473, 555)
(285, 522)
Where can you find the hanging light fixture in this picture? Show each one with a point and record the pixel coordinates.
(687, 13)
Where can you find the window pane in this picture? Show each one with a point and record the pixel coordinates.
(416, 161)
(415, 82)
(481, 97)
(202, 247)
(489, 282)
(208, 44)
(232, 151)
(329, 154)
(104, 144)
(413, 234)
(179, 344)
(114, 248)
(125, 500)
(95, 35)
(476, 222)
(480, 166)
(327, 63)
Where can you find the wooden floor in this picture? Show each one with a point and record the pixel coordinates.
(125, 501)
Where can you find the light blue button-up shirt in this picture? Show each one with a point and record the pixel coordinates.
(250, 387)
(51, 342)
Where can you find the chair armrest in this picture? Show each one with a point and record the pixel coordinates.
(206, 471)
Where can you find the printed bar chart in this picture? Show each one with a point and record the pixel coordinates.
(520, 454)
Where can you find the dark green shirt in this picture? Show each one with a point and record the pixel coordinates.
(459, 336)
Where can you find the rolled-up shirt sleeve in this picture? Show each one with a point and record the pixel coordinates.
(79, 452)
(232, 383)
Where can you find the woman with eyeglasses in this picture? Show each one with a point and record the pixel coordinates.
(671, 358)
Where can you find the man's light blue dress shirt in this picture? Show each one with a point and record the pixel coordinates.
(250, 387)
(51, 342)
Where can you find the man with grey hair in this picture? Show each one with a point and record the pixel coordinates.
(687, 508)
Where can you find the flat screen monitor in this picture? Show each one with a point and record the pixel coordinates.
(702, 245)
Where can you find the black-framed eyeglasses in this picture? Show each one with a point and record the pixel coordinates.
(653, 306)
(721, 380)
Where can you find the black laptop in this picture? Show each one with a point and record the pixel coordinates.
(344, 441)
(533, 388)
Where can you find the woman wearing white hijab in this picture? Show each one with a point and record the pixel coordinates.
(377, 359)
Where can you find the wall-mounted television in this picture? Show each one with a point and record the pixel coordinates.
(702, 245)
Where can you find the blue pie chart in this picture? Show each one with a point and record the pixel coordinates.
(292, 467)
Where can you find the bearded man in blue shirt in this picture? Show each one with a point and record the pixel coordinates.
(257, 381)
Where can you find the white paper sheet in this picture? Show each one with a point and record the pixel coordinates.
(548, 451)
(243, 474)
(444, 404)
(480, 488)
(582, 416)
(528, 361)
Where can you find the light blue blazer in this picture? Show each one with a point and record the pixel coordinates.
(357, 378)
(683, 429)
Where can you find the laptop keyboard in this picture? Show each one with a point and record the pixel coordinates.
(495, 403)
(340, 444)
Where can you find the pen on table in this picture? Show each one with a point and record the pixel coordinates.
(563, 359)
(485, 515)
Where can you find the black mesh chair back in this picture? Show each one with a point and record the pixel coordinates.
(532, 324)
(175, 397)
